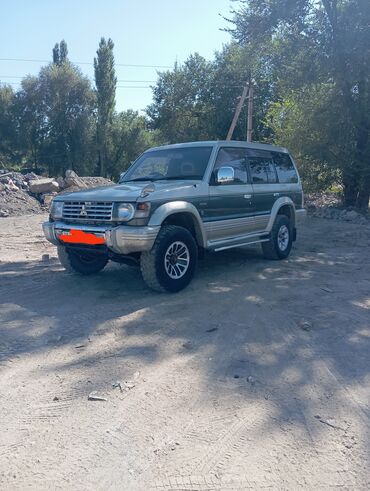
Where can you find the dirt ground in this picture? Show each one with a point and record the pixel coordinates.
(256, 376)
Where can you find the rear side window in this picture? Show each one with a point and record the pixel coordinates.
(262, 167)
(285, 169)
(235, 158)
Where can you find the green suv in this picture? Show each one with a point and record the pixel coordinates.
(176, 201)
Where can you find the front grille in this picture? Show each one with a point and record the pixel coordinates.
(87, 210)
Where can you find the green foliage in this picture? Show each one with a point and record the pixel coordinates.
(60, 53)
(306, 122)
(196, 101)
(57, 121)
(129, 138)
(320, 46)
(180, 101)
(7, 126)
(105, 81)
(309, 63)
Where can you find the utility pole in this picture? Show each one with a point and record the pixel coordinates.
(237, 112)
(250, 114)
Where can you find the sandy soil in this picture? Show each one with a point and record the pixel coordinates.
(256, 376)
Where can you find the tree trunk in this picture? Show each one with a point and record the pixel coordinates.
(350, 191)
(102, 164)
(362, 202)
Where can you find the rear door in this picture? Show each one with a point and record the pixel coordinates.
(266, 189)
(288, 178)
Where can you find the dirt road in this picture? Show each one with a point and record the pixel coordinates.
(257, 375)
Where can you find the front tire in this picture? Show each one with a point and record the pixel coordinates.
(280, 244)
(171, 263)
(80, 262)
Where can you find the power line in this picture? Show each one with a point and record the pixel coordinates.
(86, 63)
(90, 78)
(118, 86)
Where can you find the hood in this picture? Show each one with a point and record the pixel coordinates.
(130, 191)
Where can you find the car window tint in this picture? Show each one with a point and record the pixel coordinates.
(284, 167)
(262, 167)
(235, 158)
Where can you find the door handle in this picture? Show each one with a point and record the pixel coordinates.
(247, 196)
(276, 194)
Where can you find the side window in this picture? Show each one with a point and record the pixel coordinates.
(285, 168)
(235, 158)
(262, 167)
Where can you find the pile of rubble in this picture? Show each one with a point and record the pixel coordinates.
(22, 194)
(329, 206)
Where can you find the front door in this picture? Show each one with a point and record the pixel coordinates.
(230, 207)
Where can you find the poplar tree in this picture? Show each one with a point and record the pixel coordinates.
(105, 82)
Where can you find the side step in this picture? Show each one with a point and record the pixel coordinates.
(221, 245)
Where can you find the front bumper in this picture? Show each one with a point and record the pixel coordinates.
(123, 239)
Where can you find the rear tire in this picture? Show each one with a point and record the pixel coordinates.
(171, 263)
(80, 262)
(280, 244)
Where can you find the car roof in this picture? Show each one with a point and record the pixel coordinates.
(223, 143)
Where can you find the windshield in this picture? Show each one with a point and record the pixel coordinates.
(177, 163)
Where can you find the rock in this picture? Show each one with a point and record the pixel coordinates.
(129, 385)
(325, 289)
(70, 174)
(350, 216)
(93, 396)
(251, 380)
(117, 384)
(31, 176)
(305, 325)
(60, 180)
(311, 207)
(10, 186)
(43, 186)
(4, 213)
(72, 179)
(213, 329)
(48, 198)
(187, 345)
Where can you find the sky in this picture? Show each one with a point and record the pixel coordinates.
(145, 32)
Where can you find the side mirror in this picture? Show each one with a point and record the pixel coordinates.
(121, 176)
(225, 175)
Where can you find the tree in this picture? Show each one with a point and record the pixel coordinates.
(130, 137)
(105, 81)
(324, 42)
(180, 101)
(30, 120)
(68, 103)
(196, 101)
(63, 51)
(7, 128)
(305, 122)
(60, 53)
(56, 54)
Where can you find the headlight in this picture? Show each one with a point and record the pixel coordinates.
(125, 212)
(56, 210)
